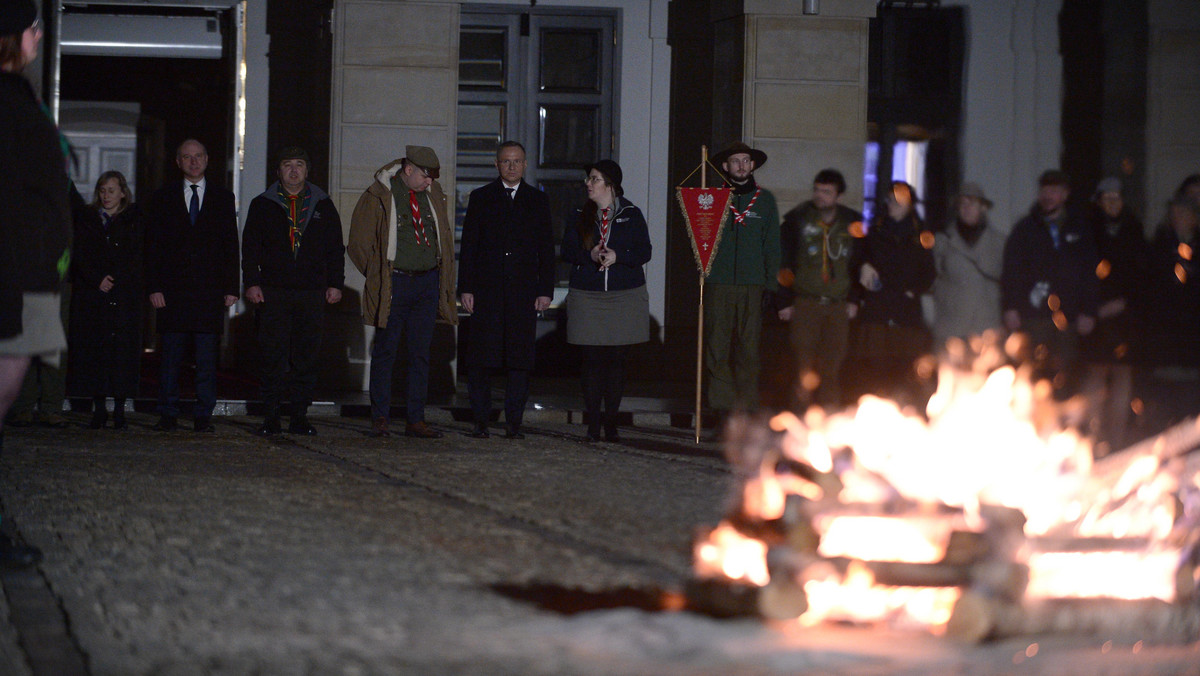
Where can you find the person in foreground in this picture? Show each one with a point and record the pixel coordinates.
(36, 229)
(608, 305)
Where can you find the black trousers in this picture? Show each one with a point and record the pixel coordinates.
(603, 381)
(289, 342)
(516, 393)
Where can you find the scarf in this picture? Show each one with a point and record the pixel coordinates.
(297, 207)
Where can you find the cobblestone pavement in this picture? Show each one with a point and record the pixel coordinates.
(180, 554)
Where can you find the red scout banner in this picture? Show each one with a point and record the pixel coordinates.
(705, 211)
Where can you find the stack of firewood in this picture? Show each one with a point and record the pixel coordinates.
(985, 556)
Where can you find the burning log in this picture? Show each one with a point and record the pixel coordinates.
(1172, 443)
(781, 599)
(978, 617)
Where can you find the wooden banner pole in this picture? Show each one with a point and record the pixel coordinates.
(700, 324)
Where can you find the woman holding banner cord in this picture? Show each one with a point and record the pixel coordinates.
(608, 307)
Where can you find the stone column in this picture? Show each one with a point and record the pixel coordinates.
(804, 92)
(395, 83)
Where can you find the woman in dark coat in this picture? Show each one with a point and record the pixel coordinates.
(1112, 346)
(892, 268)
(106, 307)
(1173, 307)
(608, 306)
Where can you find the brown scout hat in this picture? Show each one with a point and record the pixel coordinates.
(759, 157)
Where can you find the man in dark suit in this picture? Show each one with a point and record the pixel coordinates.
(505, 277)
(192, 277)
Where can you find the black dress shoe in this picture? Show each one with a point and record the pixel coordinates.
(611, 435)
(592, 438)
(513, 433)
(118, 418)
(269, 427)
(99, 417)
(204, 425)
(299, 425)
(480, 432)
(166, 423)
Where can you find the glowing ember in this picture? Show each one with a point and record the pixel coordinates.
(728, 553)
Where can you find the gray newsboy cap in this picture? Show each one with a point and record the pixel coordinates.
(971, 189)
(423, 157)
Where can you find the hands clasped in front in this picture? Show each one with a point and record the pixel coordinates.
(604, 256)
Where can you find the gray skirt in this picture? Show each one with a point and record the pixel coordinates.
(41, 328)
(608, 317)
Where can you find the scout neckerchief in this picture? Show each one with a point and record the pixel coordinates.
(297, 207)
(418, 222)
(605, 226)
(739, 217)
(826, 261)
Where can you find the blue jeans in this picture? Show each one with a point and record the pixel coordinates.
(412, 316)
(173, 346)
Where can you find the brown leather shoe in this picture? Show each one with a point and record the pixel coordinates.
(421, 430)
(379, 427)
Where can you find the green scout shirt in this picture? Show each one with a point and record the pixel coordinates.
(804, 231)
(749, 253)
(414, 254)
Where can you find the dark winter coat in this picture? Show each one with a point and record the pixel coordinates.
(267, 259)
(905, 267)
(629, 238)
(194, 267)
(1034, 269)
(35, 207)
(1173, 307)
(106, 328)
(507, 261)
(1123, 250)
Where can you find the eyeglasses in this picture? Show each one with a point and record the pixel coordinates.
(593, 179)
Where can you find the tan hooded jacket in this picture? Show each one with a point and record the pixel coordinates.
(372, 248)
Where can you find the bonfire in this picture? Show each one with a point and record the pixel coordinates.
(985, 516)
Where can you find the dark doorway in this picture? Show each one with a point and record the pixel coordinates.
(179, 97)
(915, 100)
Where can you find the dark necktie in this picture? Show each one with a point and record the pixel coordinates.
(194, 204)
(512, 193)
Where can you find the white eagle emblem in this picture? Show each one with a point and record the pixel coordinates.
(705, 200)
